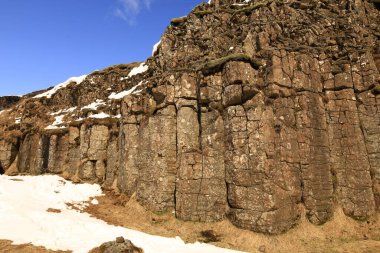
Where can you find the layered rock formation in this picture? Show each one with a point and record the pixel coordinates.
(248, 110)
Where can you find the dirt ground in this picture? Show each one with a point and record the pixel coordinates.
(340, 235)
(7, 247)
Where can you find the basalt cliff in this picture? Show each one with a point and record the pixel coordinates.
(252, 111)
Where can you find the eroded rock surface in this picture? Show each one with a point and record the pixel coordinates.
(247, 111)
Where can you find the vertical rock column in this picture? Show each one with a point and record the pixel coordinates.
(112, 166)
(94, 142)
(74, 152)
(364, 76)
(128, 156)
(370, 121)
(58, 153)
(295, 84)
(260, 186)
(349, 158)
(8, 153)
(157, 160)
(350, 162)
(212, 201)
(200, 188)
(307, 74)
(31, 155)
(317, 183)
(262, 173)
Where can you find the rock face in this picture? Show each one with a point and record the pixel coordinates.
(247, 111)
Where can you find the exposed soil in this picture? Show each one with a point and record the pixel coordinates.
(340, 235)
(7, 247)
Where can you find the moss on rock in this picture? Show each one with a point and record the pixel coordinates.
(217, 64)
(178, 21)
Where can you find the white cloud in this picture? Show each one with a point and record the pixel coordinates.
(148, 3)
(128, 10)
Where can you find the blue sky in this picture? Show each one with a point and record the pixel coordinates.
(44, 42)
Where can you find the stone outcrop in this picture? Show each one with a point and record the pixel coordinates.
(247, 111)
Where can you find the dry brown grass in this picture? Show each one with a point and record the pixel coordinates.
(7, 247)
(121, 69)
(53, 210)
(342, 234)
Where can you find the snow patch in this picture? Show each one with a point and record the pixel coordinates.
(91, 80)
(24, 201)
(138, 70)
(63, 111)
(58, 121)
(155, 48)
(94, 105)
(101, 115)
(52, 91)
(122, 94)
(18, 120)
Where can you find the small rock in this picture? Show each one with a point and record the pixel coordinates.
(262, 249)
(120, 239)
(120, 246)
